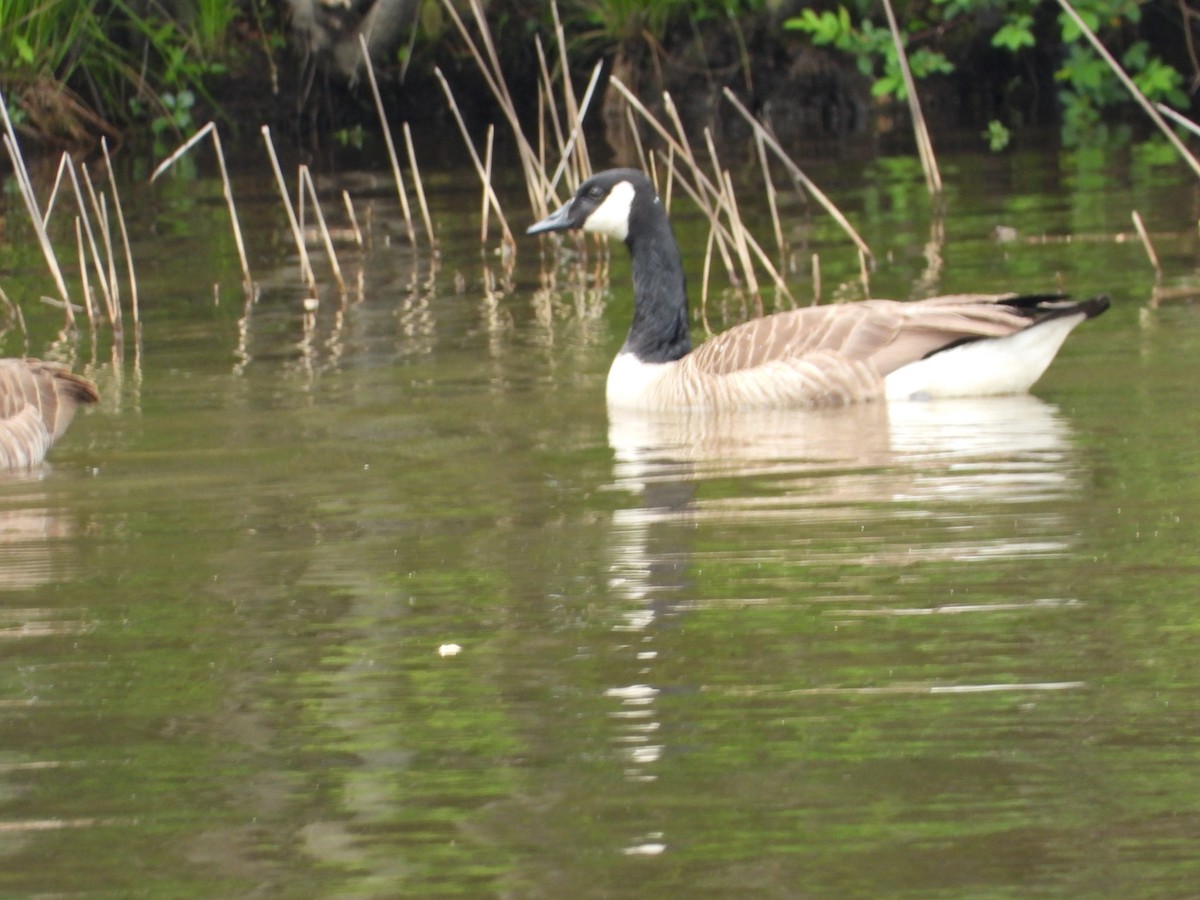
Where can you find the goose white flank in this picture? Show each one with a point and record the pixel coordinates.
(965, 345)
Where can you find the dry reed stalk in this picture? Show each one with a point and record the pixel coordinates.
(15, 312)
(1142, 233)
(669, 187)
(708, 249)
(816, 278)
(100, 208)
(133, 289)
(728, 201)
(1131, 87)
(1178, 118)
(576, 132)
(718, 172)
(418, 184)
(547, 86)
(646, 164)
(307, 183)
(58, 176)
(31, 206)
(487, 182)
(14, 151)
(106, 229)
(864, 274)
(489, 67)
(541, 127)
(574, 112)
(306, 271)
(723, 234)
(180, 150)
(683, 145)
(507, 235)
(705, 188)
(387, 140)
(226, 187)
(739, 233)
(90, 235)
(679, 145)
(358, 238)
(301, 207)
(933, 178)
(772, 195)
(83, 280)
(796, 173)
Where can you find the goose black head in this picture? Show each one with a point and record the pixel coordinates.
(622, 204)
(607, 203)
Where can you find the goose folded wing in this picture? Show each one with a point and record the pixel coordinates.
(37, 402)
(24, 437)
(942, 322)
(884, 333)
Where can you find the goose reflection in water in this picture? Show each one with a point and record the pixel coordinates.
(1005, 448)
(853, 493)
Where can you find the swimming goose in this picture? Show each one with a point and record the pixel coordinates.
(37, 402)
(955, 346)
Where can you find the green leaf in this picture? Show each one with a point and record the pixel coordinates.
(825, 28)
(1070, 31)
(24, 51)
(997, 136)
(1137, 56)
(891, 85)
(1160, 81)
(929, 62)
(1015, 34)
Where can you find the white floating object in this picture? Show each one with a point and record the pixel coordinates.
(449, 650)
(634, 692)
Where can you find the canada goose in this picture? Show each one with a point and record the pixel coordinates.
(956, 346)
(37, 403)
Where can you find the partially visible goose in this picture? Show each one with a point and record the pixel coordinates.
(957, 346)
(37, 402)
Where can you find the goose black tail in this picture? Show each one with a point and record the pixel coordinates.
(1052, 306)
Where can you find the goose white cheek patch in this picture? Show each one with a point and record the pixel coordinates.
(612, 216)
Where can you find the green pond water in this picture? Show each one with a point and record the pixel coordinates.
(937, 650)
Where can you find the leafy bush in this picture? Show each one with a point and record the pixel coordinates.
(1087, 87)
(72, 68)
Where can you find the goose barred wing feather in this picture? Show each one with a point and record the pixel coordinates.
(37, 402)
(820, 378)
(804, 357)
(838, 354)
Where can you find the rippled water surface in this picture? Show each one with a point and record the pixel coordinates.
(376, 600)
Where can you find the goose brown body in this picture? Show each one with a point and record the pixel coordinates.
(951, 346)
(824, 356)
(37, 402)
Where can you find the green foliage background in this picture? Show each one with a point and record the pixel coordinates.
(70, 70)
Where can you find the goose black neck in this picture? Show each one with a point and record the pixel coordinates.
(659, 332)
